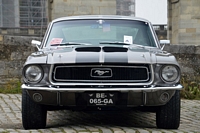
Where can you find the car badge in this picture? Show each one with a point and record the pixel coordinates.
(101, 72)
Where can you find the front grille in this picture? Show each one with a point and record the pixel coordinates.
(101, 73)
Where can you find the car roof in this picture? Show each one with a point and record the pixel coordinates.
(101, 17)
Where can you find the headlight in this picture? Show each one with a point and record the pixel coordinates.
(169, 73)
(33, 74)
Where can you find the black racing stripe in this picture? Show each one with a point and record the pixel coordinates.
(115, 57)
(87, 57)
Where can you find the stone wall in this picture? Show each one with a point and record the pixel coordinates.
(13, 53)
(19, 31)
(62, 8)
(184, 21)
(15, 49)
(188, 57)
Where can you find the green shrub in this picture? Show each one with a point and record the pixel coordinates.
(13, 87)
(191, 89)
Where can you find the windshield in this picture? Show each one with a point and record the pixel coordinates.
(95, 32)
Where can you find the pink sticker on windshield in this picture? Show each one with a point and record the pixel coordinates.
(56, 41)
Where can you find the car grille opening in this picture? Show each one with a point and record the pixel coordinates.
(101, 73)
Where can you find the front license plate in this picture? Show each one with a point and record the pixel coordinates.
(101, 99)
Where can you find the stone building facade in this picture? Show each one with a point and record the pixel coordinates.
(184, 22)
(62, 8)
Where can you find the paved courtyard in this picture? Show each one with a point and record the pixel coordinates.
(81, 122)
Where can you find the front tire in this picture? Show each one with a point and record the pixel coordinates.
(168, 116)
(33, 115)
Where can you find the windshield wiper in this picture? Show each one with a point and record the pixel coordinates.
(69, 44)
(115, 42)
(121, 43)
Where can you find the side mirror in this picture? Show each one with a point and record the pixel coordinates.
(164, 42)
(36, 43)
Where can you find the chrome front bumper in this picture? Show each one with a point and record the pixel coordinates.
(139, 89)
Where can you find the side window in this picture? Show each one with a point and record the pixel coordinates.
(151, 39)
(144, 37)
(141, 37)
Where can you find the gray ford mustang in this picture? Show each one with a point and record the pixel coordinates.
(99, 63)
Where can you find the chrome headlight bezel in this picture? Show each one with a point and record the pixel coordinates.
(170, 73)
(33, 74)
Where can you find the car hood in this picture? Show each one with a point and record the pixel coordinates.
(101, 54)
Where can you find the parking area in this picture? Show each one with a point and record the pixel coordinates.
(82, 122)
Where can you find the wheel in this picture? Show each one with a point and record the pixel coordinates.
(33, 115)
(168, 116)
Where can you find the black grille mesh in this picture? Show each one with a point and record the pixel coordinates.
(81, 73)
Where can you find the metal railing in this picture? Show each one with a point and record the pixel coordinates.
(23, 13)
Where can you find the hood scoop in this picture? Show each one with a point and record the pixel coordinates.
(114, 49)
(88, 49)
(98, 49)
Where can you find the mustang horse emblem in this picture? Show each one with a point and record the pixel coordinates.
(100, 73)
